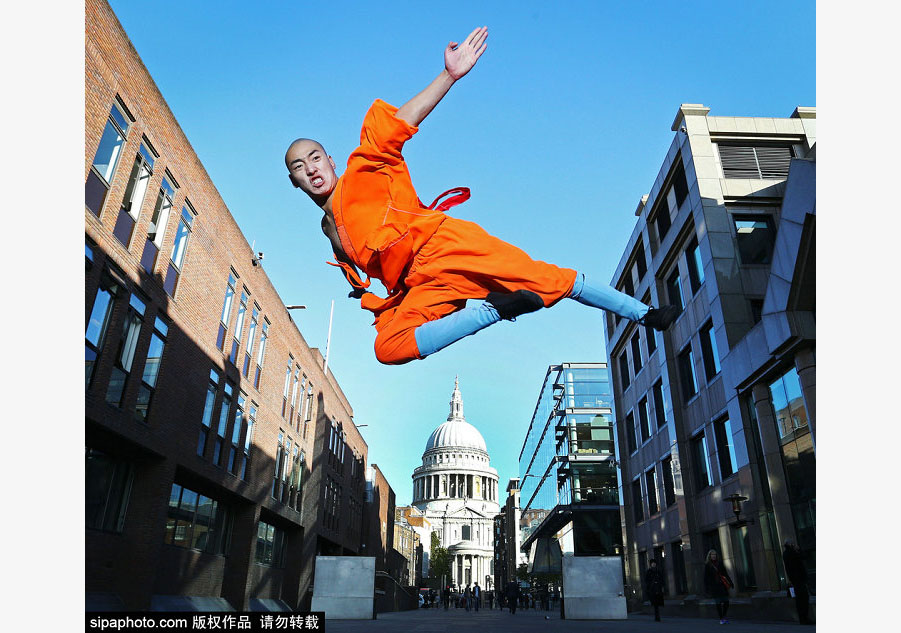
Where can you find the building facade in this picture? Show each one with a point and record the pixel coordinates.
(569, 492)
(220, 458)
(456, 491)
(721, 407)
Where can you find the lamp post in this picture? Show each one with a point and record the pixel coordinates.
(736, 500)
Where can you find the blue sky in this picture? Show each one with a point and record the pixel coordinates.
(558, 130)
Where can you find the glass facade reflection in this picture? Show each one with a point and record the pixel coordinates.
(568, 457)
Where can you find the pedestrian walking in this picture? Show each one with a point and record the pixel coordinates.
(445, 597)
(718, 583)
(797, 579)
(476, 596)
(654, 588)
(491, 600)
(512, 596)
(467, 597)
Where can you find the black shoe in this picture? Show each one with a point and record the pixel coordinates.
(510, 305)
(660, 318)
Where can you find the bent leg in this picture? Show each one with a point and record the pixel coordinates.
(607, 298)
(433, 336)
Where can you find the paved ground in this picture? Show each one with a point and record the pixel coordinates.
(531, 621)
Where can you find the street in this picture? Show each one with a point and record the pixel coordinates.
(530, 620)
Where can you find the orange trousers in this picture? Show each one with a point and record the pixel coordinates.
(461, 261)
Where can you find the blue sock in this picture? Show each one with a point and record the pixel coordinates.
(607, 298)
(436, 335)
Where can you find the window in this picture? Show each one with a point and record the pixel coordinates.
(223, 423)
(107, 158)
(179, 248)
(287, 385)
(669, 488)
(695, 266)
(308, 409)
(637, 504)
(295, 481)
(630, 432)
(235, 453)
(679, 573)
(295, 385)
(126, 353)
(97, 325)
(277, 477)
(626, 285)
(709, 351)
(141, 173)
(641, 264)
(669, 207)
(624, 370)
(754, 161)
(239, 327)
(788, 404)
(755, 236)
(756, 309)
(465, 532)
(248, 438)
(251, 336)
(151, 369)
(725, 450)
(650, 334)
(261, 353)
(644, 419)
(195, 521)
(699, 456)
(636, 352)
(674, 289)
(107, 490)
(650, 480)
(226, 310)
(659, 404)
(270, 545)
(207, 418)
(686, 363)
(158, 221)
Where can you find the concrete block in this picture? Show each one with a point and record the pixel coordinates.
(344, 587)
(593, 588)
(765, 125)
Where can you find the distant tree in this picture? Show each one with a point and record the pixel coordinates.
(439, 560)
(522, 572)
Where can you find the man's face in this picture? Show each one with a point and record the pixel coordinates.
(311, 169)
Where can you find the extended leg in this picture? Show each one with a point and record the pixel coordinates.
(607, 298)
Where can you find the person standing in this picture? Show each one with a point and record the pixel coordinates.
(467, 597)
(654, 588)
(476, 596)
(445, 597)
(797, 579)
(718, 583)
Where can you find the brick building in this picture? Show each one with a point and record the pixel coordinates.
(219, 458)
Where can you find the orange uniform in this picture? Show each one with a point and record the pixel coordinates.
(429, 262)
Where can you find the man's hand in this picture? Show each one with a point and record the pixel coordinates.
(460, 58)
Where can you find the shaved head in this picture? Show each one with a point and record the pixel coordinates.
(297, 142)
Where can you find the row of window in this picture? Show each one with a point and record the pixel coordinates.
(646, 505)
(710, 356)
(250, 360)
(113, 143)
(233, 432)
(635, 437)
(638, 361)
(193, 520)
(131, 348)
(290, 463)
(332, 503)
(297, 386)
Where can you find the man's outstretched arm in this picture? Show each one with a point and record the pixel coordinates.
(458, 60)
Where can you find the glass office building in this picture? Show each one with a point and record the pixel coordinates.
(569, 485)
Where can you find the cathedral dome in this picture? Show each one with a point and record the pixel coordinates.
(456, 433)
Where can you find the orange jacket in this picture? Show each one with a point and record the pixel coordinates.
(380, 220)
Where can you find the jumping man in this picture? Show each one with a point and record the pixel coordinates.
(429, 262)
